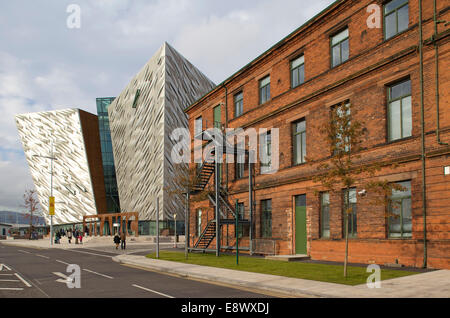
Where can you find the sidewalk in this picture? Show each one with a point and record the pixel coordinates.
(434, 284)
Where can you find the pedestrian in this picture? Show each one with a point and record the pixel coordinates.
(81, 237)
(117, 240)
(123, 239)
(69, 236)
(76, 236)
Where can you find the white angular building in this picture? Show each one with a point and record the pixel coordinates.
(142, 119)
(77, 183)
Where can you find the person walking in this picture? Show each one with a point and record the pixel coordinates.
(117, 240)
(69, 236)
(123, 239)
(81, 237)
(76, 236)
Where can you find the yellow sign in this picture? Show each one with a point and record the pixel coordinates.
(51, 208)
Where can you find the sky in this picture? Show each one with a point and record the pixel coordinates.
(45, 65)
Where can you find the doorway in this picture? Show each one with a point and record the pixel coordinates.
(300, 224)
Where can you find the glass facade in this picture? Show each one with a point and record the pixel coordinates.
(109, 171)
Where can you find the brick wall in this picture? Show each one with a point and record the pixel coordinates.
(363, 80)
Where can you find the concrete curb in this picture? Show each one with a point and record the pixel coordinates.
(229, 280)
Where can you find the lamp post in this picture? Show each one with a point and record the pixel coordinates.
(175, 220)
(51, 157)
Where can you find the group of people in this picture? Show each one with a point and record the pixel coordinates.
(120, 238)
(76, 234)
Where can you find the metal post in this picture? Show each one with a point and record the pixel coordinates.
(250, 197)
(157, 227)
(216, 186)
(186, 226)
(236, 214)
(51, 194)
(175, 220)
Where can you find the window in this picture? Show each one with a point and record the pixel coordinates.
(198, 228)
(298, 71)
(217, 117)
(339, 48)
(240, 166)
(266, 218)
(238, 104)
(352, 222)
(400, 112)
(400, 217)
(299, 138)
(325, 215)
(264, 90)
(266, 152)
(198, 126)
(396, 17)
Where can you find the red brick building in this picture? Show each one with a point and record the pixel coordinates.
(343, 55)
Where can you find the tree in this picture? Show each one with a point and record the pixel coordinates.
(344, 137)
(31, 203)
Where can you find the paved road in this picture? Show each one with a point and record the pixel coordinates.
(28, 272)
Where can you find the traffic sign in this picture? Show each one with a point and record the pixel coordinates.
(51, 208)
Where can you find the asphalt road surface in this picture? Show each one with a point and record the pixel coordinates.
(32, 273)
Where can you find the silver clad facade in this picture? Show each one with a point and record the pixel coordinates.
(72, 184)
(142, 119)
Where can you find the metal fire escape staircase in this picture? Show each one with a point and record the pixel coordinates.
(226, 210)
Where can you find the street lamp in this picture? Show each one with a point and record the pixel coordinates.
(51, 157)
(175, 240)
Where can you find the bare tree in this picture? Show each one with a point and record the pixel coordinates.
(344, 136)
(31, 203)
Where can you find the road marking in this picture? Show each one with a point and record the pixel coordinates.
(87, 270)
(42, 256)
(5, 288)
(9, 280)
(62, 262)
(152, 291)
(109, 256)
(3, 265)
(23, 280)
(64, 279)
(24, 251)
(6, 274)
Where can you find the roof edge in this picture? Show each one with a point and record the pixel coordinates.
(272, 48)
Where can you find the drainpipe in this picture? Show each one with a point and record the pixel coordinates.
(422, 112)
(436, 59)
(226, 126)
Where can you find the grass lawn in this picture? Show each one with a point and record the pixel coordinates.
(319, 272)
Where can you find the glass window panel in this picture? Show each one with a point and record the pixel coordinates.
(300, 126)
(198, 125)
(295, 77)
(298, 150)
(265, 81)
(403, 19)
(407, 117)
(390, 25)
(339, 37)
(344, 51)
(298, 61)
(302, 74)
(394, 121)
(394, 4)
(303, 147)
(400, 90)
(300, 200)
(336, 55)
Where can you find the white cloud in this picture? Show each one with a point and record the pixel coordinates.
(44, 65)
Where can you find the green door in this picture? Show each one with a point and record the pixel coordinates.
(300, 224)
